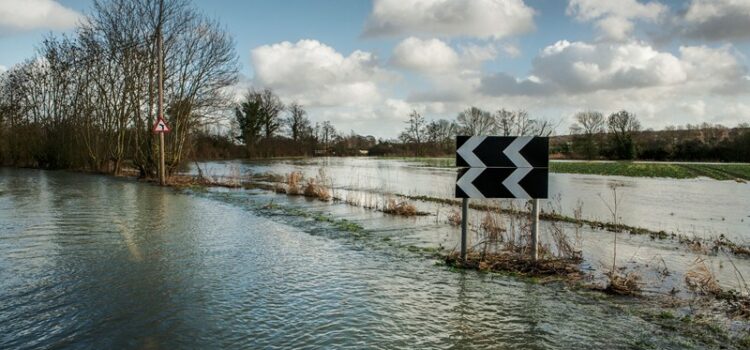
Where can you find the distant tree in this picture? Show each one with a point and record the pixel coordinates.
(258, 116)
(519, 123)
(590, 126)
(475, 121)
(505, 121)
(415, 130)
(441, 133)
(298, 122)
(326, 133)
(622, 127)
(249, 118)
(271, 108)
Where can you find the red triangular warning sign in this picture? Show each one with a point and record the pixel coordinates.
(161, 126)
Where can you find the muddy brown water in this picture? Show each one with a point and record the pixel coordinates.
(97, 262)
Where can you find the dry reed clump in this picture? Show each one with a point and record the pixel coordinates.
(493, 227)
(701, 280)
(454, 218)
(505, 244)
(293, 182)
(315, 190)
(565, 249)
(514, 263)
(628, 284)
(403, 208)
(316, 187)
(279, 188)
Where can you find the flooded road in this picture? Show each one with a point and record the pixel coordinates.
(700, 207)
(97, 262)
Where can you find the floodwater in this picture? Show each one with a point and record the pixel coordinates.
(97, 262)
(702, 207)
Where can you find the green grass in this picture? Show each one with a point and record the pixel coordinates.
(668, 170)
(632, 169)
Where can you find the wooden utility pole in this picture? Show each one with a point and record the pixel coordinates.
(160, 49)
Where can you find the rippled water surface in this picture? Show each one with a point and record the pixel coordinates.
(95, 262)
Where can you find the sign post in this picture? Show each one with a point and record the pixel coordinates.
(464, 214)
(514, 167)
(161, 128)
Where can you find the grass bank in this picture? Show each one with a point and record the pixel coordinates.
(668, 170)
(717, 171)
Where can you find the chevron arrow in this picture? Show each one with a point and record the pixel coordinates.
(502, 151)
(466, 151)
(521, 183)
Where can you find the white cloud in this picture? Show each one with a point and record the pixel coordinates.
(435, 57)
(318, 75)
(454, 72)
(580, 67)
(25, 15)
(660, 87)
(614, 18)
(472, 18)
(431, 55)
(717, 20)
(3, 69)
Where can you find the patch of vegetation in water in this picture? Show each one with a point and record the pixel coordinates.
(721, 242)
(340, 224)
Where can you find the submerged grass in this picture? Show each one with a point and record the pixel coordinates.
(560, 260)
(738, 172)
(720, 243)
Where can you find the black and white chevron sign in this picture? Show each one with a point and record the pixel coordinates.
(502, 151)
(502, 167)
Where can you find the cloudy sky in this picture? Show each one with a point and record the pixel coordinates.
(365, 64)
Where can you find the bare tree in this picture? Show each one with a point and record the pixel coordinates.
(414, 133)
(326, 133)
(475, 121)
(297, 121)
(271, 108)
(91, 95)
(441, 133)
(622, 127)
(519, 123)
(590, 127)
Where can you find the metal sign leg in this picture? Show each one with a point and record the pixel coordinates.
(464, 219)
(535, 230)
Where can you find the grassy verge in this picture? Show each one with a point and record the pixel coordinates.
(668, 170)
(632, 169)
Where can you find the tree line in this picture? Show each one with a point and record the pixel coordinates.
(620, 136)
(88, 101)
(268, 128)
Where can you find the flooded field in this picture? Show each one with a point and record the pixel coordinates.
(98, 262)
(696, 207)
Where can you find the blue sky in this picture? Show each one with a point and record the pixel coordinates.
(365, 65)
